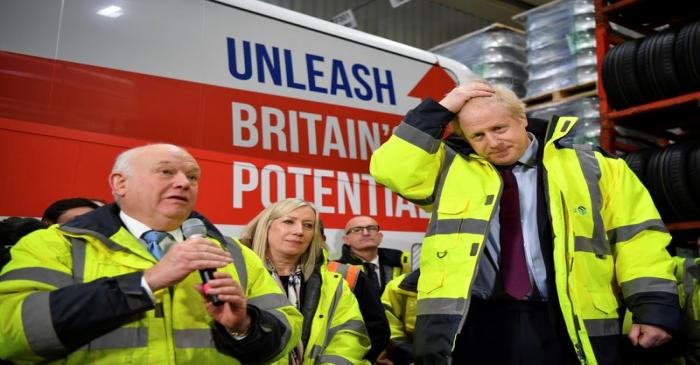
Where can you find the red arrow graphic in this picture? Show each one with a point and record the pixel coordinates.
(435, 84)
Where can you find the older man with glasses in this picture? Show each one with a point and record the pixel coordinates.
(361, 247)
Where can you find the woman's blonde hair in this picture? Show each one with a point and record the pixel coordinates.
(503, 96)
(255, 232)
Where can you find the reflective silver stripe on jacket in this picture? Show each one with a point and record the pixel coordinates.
(354, 325)
(194, 338)
(287, 329)
(97, 235)
(38, 325)
(688, 279)
(78, 248)
(449, 226)
(441, 306)
(591, 172)
(450, 155)
(342, 270)
(317, 350)
(51, 277)
(120, 338)
(417, 138)
(333, 359)
(602, 327)
(270, 301)
(625, 233)
(648, 284)
(238, 262)
(425, 142)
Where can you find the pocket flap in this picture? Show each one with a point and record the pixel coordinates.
(430, 280)
(604, 301)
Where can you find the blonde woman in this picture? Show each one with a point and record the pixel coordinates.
(286, 236)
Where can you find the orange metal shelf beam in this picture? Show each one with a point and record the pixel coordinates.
(683, 226)
(656, 105)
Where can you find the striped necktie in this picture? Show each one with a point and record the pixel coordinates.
(153, 240)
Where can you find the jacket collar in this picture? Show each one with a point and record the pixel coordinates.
(104, 222)
(410, 282)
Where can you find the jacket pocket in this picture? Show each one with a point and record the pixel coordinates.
(430, 280)
(604, 301)
(452, 206)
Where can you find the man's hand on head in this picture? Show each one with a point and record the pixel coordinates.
(196, 253)
(455, 99)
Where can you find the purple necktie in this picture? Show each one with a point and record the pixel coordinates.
(516, 280)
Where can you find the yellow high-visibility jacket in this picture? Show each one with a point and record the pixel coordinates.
(688, 276)
(333, 330)
(73, 294)
(399, 299)
(608, 239)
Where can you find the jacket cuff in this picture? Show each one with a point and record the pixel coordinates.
(668, 317)
(253, 334)
(73, 307)
(430, 117)
(259, 345)
(135, 295)
(402, 354)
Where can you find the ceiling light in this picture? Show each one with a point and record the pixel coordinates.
(111, 11)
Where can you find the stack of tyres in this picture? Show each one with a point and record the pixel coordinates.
(560, 45)
(495, 53)
(587, 129)
(672, 176)
(659, 66)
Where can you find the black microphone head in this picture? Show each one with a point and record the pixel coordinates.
(193, 227)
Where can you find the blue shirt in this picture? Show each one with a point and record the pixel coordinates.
(526, 175)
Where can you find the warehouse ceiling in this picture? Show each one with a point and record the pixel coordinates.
(419, 23)
(497, 11)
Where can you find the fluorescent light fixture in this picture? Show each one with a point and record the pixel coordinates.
(111, 11)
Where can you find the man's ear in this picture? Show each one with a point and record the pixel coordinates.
(117, 181)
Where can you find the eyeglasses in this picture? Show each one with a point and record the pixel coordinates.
(371, 229)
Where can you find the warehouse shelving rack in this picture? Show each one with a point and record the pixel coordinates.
(626, 13)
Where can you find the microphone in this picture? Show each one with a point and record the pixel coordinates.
(194, 227)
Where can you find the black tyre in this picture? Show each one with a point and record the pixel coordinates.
(656, 68)
(687, 56)
(694, 172)
(677, 185)
(655, 186)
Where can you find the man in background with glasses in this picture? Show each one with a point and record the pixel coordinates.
(361, 247)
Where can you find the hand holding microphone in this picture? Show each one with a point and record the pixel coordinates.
(194, 227)
(233, 317)
(180, 260)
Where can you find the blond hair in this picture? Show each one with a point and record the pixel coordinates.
(503, 96)
(255, 232)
